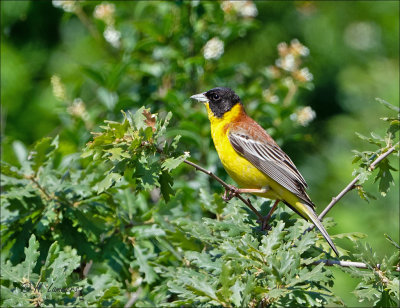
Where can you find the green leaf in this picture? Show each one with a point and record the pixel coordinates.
(226, 281)
(376, 140)
(166, 182)
(273, 240)
(173, 162)
(109, 180)
(387, 236)
(10, 171)
(60, 265)
(143, 232)
(31, 255)
(363, 173)
(384, 176)
(388, 105)
(237, 291)
(144, 267)
(139, 119)
(394, 127)
(364, 194)
(117, 154)
(110, 293)
(23, 270)
(353, 236)
(41, 152)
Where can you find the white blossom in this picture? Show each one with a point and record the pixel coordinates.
(77, 108)
(242, 8)
(303, 116)
(213, 49)
(283, 49)
(298, 48)
(112, 36)
(287, 62)
(105, 12)
(270, 97)
(303, 75)
(248, 9)
(66, 5)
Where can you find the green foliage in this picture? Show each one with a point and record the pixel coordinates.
(135, 150)
(56, 283)
(379, 285)
(241, 266)
(366, 158)
(117, 218)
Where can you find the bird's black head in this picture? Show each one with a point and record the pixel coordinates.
(220, 100)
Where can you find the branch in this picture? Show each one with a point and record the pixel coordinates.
(325, 261)
(348, 264)
(44, 192)
(225, 185)
(350, 186)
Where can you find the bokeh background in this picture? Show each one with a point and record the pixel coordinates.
(66, 67)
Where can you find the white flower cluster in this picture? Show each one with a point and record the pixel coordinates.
(242, 8)
(303, 75)
(213, 49)
(289, 55)
(288, 69)
(106, 12)
(78, 109)
(67, 5)
(303, 116)
(112, 36)
(270, 97)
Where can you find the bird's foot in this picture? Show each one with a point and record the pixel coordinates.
(230, 192)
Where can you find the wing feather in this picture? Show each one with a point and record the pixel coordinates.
(271, 160)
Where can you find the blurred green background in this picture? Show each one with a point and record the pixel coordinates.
(354, 48)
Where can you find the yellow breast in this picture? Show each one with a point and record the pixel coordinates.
(239, 169)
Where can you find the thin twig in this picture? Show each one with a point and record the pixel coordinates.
(87, 268)
(32, 178)
(225, 185)
(80, 13)
(289, 96)
(133, 296)
(351, 185)
(348, 264)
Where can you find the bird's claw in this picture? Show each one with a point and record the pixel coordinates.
(230, 192)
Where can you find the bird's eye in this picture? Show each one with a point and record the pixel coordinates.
(215, 96)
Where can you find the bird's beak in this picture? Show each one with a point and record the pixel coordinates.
(200, 97)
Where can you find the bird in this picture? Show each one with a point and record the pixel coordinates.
(254, 160)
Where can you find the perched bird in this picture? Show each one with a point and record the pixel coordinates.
(253, 159)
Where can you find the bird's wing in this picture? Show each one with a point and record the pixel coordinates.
(269, 158)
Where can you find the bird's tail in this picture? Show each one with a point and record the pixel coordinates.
(307, 212)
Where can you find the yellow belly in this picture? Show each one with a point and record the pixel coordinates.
(239, 168)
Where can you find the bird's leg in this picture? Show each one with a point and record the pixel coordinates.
(264, 221)
(252, 190)
(234, 191)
